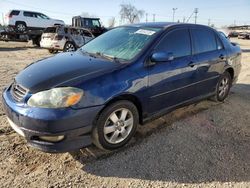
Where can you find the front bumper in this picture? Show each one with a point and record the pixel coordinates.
(74, 124)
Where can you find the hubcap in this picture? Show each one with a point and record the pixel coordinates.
(70, 48)
(20, 27)
(118, 126)
(223, 88)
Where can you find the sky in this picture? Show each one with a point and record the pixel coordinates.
(217, 12)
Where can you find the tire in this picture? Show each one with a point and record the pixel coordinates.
(52, 51)
(21, 27)
(223, 87)
(36, 41)
(116, 125)
(69, 47)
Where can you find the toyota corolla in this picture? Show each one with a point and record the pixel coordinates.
(123, 78)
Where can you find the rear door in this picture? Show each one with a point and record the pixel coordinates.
(77, 37)
(30, 19)
(211, 57)
(172, 82)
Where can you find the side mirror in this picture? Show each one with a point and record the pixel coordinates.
(162, 57)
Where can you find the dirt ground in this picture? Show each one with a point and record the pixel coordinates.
(202, 145)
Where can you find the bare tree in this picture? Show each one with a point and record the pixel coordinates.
(130, 13)
(111, 22)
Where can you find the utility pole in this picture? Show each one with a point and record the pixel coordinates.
(184, 19)
(146, 17)
(3, 18)
(153, 17)
(196, 12)
(234, 22)
(209, 21)
(174, 9)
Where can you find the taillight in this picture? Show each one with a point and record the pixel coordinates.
(58, 37)
(8, 16)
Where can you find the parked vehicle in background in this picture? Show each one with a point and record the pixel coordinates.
(244, 35)
(125, 77)
(92, 24)
(233, 34)
(223, 34)
(64, 38)
(23, 20)
(9, 34)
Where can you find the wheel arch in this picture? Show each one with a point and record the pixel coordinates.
(230, 70)
(128, 97)
(21, 22)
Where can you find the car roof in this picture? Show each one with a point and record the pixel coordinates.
(24, 11)
(165, 24)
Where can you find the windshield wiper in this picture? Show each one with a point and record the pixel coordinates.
(99, 54)
(109, 57)
(88, 53)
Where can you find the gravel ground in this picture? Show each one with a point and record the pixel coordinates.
(201, 145)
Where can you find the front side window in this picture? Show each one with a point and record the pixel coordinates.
(176, 42)
(123, 42)
(40, 15)
(96, 23)
(204, 40)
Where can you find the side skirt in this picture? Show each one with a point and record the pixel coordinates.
(156, 115)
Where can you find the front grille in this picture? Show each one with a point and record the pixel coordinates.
(18, 92)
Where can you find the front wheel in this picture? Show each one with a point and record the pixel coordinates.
(116, 125)
(223, 87)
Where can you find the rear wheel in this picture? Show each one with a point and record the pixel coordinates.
(116, 125)
(223, 87)
(69, 47)
(21, 27)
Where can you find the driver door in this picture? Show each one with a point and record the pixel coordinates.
(172, 82)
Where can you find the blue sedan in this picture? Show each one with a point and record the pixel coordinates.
(125, 77)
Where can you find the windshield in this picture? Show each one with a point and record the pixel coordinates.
(122, 43)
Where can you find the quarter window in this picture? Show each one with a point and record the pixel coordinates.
(176, 42)
(219, 43)
(14, 13)
(204, 40)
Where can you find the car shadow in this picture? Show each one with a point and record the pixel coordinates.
(246, 50)
(188, 145)
(12, 49)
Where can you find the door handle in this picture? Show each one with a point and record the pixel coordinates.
(191, 64)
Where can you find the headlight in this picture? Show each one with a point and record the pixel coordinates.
(56, 98)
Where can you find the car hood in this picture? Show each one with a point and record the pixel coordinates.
(63, 69)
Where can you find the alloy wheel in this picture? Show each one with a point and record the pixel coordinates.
(21, 27)
(223, 87)
(118, 126)
(70, 47)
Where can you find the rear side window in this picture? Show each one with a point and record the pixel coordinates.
(204, 40)
(176, 42)
(219, 43)
(29, 14)
(50, 30)
(14, 13)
